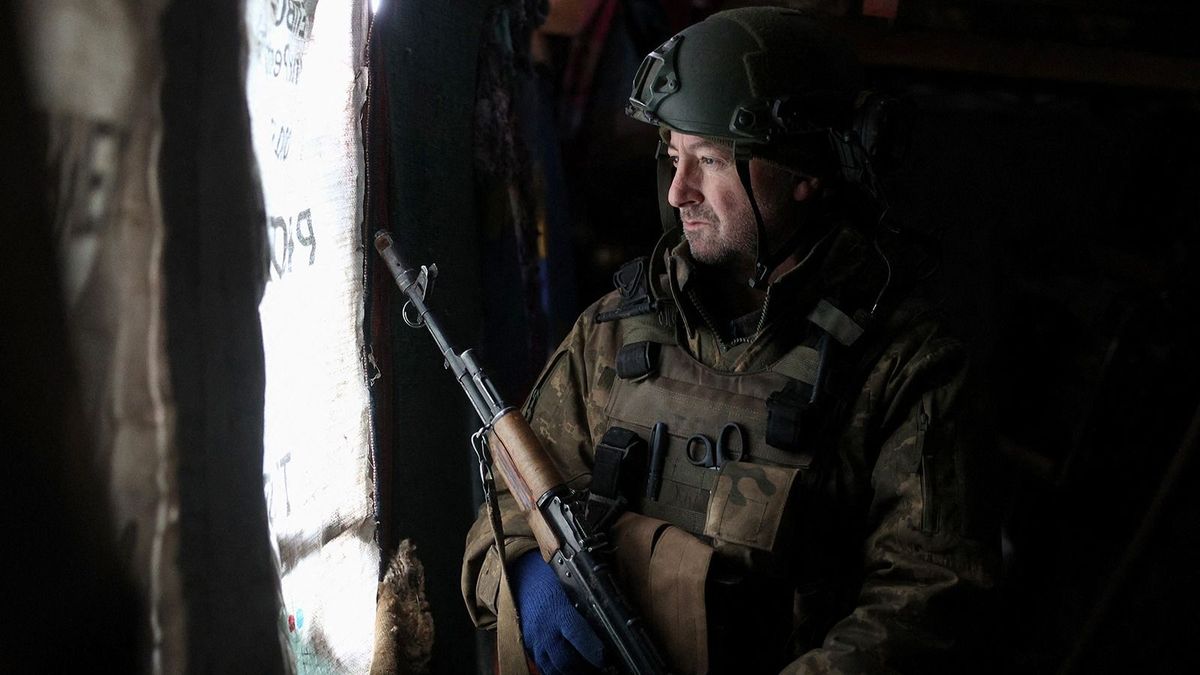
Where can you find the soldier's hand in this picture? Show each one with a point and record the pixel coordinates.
(557, 637)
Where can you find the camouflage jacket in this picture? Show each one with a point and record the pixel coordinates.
(885, 566)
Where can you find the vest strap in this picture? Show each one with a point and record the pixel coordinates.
(799, 364)
(637, 360)
(835, 322)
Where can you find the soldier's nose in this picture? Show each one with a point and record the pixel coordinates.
(682, 192)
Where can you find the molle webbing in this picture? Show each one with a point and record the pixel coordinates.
(691, 398)
(658, 381)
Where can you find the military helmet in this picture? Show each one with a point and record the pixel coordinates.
(771, 79)
(775, 84)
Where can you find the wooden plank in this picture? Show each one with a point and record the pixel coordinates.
(1041, 60)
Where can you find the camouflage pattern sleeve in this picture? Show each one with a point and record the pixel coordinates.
(924, 571)
(556, 412)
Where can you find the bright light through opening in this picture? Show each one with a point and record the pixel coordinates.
(304, 94)
(375, 5)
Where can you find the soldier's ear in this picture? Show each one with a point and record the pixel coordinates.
(806, 188)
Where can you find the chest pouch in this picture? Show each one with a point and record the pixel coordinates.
(750, 506)
(616, 473)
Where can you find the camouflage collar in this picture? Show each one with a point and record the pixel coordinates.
(834, 261)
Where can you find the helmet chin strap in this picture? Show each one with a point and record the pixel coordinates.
(762, 249)
(764, 262)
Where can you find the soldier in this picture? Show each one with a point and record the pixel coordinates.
(763, 411)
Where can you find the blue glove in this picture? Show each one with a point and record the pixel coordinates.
(557, 637)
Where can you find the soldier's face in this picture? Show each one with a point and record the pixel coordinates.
(717, 218)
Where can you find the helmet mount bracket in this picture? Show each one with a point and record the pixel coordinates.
(656, 79)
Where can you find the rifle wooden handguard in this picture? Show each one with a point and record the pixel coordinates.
(527, 470)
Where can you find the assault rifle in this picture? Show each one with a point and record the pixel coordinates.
(579, 556)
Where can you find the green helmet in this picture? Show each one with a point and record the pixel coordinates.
(771, 81)
(759, 75)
